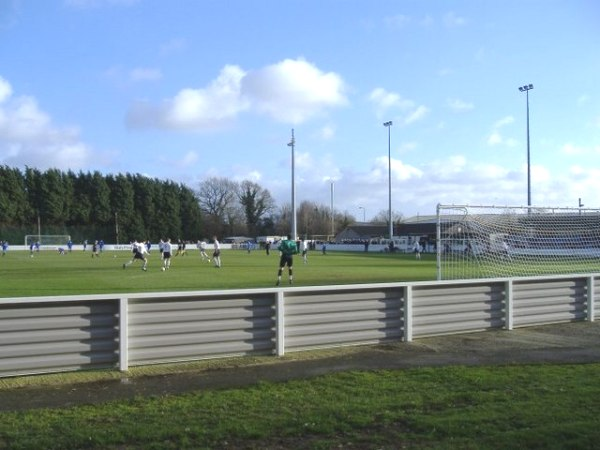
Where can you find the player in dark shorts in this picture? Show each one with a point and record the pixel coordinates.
(288, 249)
(138, 250)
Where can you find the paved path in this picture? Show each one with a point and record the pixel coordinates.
(571, 343)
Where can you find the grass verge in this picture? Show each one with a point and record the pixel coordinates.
(537, 406)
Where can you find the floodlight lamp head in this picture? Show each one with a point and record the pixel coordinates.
(387, 124)
(531, 86)
(521, 88)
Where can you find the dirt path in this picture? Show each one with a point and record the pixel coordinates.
(561, 343)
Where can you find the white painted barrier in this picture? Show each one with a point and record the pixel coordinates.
(67, 333)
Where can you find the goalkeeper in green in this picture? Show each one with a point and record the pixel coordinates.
(288, 249)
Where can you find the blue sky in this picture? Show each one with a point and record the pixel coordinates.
(190, 89)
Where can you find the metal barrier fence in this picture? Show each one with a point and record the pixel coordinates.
(68, 333)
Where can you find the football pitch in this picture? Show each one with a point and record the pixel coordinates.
(47, 273)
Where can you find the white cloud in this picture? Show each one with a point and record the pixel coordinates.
(451, 20)
(400, 170)
(29, 138)
(419, 113)
(458, 105)
(384, 101)
(572, 150)
(5, 90)
(303, 160)
(496, 138)
(292, 91)
(326, 132)
(583, 99)
(407, 147)
(145, 74)
(397, 21)
(174, 45)
(504, 121)
(194, 109)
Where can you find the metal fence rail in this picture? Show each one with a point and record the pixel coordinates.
(54, 334)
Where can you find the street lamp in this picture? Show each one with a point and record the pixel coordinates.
(294, 234)
(526, 89)
(363, 210)
(388, 125)
(332, 213)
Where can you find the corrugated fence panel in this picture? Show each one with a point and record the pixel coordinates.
(457, 308)
(537, 302)
(58, 336)
(166, 330)
(53, 334)
(343, 317)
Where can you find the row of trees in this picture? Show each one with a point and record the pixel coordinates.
(92, 206)
(119, 208)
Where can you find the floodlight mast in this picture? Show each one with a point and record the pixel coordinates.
(388, 125)
(526, 89)
(364, 214)
(294, 234)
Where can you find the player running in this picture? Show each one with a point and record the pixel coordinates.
(139, 252)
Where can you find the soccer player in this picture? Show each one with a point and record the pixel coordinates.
(217, 253)
(288, 249)
(167, 248)
(95, 249)
(417, 250)
(305, 251)
(139, 251)
(202, 248)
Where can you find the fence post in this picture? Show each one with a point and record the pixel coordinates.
(408, 314)
(590, 299)
(508, 300)
(123, 335)
(280, 323)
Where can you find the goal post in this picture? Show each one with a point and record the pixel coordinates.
(514, 241)
(47, 239)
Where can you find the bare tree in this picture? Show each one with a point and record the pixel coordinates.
(383, 217)
(216, 195)
(217, 198)
(255, 202)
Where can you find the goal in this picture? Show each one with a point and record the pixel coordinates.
(47, 239)
(511, 241)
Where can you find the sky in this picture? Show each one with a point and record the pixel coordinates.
(186, 90)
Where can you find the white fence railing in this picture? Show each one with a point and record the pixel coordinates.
(53, 334)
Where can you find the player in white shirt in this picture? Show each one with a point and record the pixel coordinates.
(139, 252)
(202, 247)
(166, 254)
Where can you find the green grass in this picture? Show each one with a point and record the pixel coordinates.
(536, 407)
(533, 407)
(49, 273)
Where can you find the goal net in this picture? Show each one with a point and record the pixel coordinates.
(491, 241)
(53, 240)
